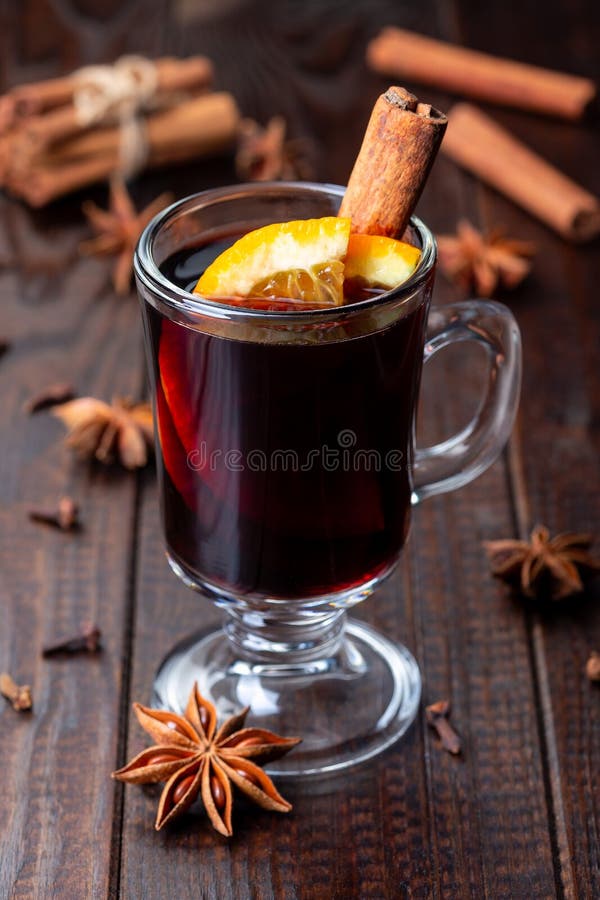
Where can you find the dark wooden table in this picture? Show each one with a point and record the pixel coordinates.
(518, 815)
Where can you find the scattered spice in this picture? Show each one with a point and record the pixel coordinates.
(263, 154)
(592, 666)
(438, 718)
(65, 517)
(544, 565)
(118, 230)
(19, 695)
(88, 641)
(484, 262)
(194, 758)
(121, 431)
(49, 396)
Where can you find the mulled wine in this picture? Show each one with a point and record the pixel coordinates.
(284, 467)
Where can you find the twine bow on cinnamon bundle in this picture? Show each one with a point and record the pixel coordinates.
(62, 134)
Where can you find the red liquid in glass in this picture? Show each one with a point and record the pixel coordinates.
(284, 466)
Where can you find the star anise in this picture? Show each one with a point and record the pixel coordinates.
(544, 564)
(119, 431)
(484, 262)
(118, 229)
(263, 154)
(194, 758)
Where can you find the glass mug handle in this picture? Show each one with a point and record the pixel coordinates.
(462, 457)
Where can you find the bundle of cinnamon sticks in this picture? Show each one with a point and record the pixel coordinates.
(59, 135)
(478, 143)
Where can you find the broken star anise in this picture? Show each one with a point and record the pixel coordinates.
(19, 695)
(263, 154)
(544, 564)
(118, 229)
(483, 262)
(119, 431)
(194, 758)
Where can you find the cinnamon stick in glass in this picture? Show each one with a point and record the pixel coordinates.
(398, 150)
(405, 54)
(483, 147)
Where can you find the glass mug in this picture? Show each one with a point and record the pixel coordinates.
(287, 471)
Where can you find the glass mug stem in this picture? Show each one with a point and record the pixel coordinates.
(285, 552)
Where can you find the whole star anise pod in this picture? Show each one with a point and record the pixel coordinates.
(119, 431)
(483, 262)
(118, 229)
(194, 758)
(544, 564)
(263, 154)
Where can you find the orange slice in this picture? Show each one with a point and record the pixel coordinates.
(380, 261)
(302, 259)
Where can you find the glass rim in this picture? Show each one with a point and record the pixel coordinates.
(177, 299)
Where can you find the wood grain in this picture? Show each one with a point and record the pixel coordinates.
(57, 803)
(554, 457)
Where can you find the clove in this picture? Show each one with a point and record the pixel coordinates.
(88, 641)
(438, 719)
(65, 517)
(49, 396)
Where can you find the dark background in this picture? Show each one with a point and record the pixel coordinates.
(518, 815)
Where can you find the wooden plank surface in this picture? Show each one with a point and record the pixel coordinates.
(518, 815)
(62, 324)
(555, 474)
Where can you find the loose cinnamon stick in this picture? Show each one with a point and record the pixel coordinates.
(30, 99)
(44, 184)
(405, 54)
(481, 146)
(27, 99)
(398, 150)
(193, 74)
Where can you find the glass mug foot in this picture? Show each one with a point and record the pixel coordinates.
(349, 697)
